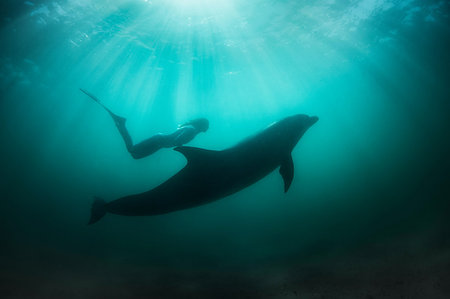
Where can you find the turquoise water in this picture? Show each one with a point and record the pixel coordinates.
(370, 191)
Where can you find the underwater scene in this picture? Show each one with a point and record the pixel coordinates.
(224, 149)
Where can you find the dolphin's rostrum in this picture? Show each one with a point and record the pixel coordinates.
(210, 175)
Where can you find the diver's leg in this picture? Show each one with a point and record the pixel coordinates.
(148, 146)
(153, 144)
(120, 124)
(144, 148)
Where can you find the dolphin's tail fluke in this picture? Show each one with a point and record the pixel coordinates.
(98, 210)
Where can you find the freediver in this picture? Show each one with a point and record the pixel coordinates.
(182, 135)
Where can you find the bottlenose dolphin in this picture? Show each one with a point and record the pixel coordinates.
(210, 175)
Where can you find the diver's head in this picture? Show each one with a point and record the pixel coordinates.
(201, 124)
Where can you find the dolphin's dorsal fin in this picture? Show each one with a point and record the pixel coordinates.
(287, 171)
(195, 154)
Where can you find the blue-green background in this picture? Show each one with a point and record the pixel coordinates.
(367, 213)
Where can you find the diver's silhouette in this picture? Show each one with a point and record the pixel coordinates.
(184, 133)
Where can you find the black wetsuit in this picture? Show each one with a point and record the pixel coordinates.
(182, 135)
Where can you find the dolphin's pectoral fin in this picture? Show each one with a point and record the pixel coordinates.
(195, 154)
(287, 172)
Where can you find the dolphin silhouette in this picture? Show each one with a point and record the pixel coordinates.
(210, 175)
